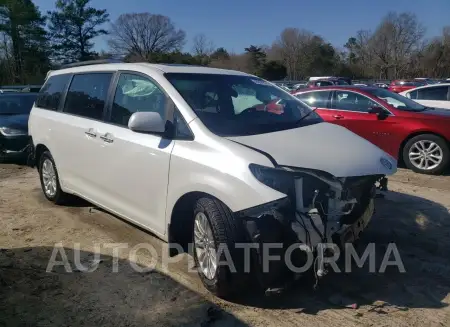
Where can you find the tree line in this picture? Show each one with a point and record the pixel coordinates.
(33, 42)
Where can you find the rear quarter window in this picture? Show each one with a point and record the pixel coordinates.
(51, 92)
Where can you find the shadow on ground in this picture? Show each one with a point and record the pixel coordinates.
(30, 296)
(420, 230)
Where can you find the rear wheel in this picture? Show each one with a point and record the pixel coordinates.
(214, 229)
(426, 154)
(48, 175)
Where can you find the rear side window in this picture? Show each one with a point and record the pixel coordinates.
(87, 95)
(52, 91)
(438, 93)
(315, 99)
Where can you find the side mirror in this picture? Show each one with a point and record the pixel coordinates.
(147, 122)
(380, 112)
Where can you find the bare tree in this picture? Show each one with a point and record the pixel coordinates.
(395, 41)
(144, 34)
(434, 58)
(360, 55)
(202, 46)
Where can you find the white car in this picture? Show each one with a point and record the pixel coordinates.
(433, 95)
(182, 152)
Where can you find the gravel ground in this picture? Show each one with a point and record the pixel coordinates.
(414, 214)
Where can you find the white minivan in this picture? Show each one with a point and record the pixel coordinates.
(212, 157)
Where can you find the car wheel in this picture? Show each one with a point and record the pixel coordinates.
(426, 154)
(48, 175)
(214, 227)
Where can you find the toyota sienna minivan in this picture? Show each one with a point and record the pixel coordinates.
(190, 154)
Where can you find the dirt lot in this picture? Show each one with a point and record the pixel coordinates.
(414, 215)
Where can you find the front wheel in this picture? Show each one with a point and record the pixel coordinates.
(215, 232)
(426, 154)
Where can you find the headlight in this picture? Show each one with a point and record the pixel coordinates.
(6, 131)
(276, 178)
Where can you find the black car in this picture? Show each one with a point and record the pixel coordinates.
(14, 112)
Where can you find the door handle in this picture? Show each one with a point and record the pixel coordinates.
(338, 116)
(91, 133)
(107, 138)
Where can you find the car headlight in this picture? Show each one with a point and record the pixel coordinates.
(276, 178)
(6, 131)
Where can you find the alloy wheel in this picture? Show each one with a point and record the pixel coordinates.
(205, 247)
(426, 155)
(49, 178)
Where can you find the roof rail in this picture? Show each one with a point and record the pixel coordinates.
(91, 62)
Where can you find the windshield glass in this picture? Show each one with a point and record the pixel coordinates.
(17, 104)
(236, 105)
(396, 100)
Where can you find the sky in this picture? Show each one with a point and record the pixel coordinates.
(236, 24)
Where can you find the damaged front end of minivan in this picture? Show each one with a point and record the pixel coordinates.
(319, 209)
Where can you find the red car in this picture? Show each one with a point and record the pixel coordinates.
(401, 86)
(417, 135)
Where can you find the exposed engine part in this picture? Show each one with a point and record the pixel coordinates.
(319, 208)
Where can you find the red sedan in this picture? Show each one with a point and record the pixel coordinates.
(401, 86)
(417, 135)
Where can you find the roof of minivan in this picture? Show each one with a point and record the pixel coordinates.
(156, 68)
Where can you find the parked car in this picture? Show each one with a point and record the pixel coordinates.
(21, 88)
(405, 129)
(401, 85)
(182, 152)
(327, 81)
(382, 85)
(335, 79)
(434, 95)
(299, 86)
(319, 83)
(14, 111)
(426, 81)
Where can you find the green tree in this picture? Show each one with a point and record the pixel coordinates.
(73, 26)
(256, 59)
(273, 70)
(220, 54)
(24, 41)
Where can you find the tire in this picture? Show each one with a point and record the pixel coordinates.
(426, 139)
(59, 197)
(225, 231)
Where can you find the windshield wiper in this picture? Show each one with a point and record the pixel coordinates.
(309, 113)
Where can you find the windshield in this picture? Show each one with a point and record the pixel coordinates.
(396, 100)
(236, 105)
(17, 104)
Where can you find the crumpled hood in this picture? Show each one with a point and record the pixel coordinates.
(327, 147)
(14, 121)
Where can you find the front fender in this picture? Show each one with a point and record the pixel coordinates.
(223, 175)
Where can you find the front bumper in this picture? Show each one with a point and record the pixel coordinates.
(14, 146)
(278, 223)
